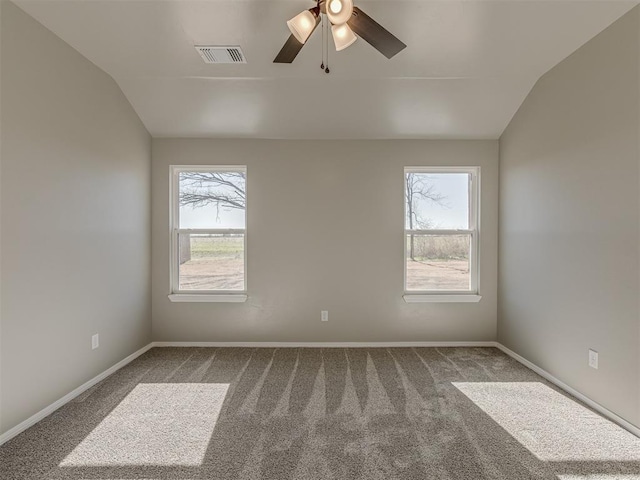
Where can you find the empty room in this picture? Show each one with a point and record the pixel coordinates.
(319, 239)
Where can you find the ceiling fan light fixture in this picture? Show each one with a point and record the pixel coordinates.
(339, 11)
(343, 36)
(347, 24)
(303, 24)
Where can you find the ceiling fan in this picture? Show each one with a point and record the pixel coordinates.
(347, 21)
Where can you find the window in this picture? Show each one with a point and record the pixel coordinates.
(209, 232)
(441, 230)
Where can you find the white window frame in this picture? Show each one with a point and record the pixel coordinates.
(445, 296)
(176, 294)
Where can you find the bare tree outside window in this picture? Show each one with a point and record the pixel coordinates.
(210, 247)
(223, 189)
(419, 189)
(440, 229)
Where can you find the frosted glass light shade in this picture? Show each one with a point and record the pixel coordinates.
(302, 25)
(339, 11)
(343, 36)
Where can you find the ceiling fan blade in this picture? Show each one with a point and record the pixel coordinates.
(292, 47)
(289, 51)
(375, 34)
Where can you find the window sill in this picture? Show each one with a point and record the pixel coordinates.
(428, 298)
(220, 298)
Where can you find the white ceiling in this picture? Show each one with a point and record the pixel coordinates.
(467, 68)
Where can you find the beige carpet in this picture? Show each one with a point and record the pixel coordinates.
(405, 413)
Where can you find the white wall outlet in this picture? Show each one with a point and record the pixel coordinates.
(324, 315)
(593, 359)
(95, 341)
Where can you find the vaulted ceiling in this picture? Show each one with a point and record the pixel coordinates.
(467, 68)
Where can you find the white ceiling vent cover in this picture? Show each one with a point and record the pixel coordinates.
(221, 54)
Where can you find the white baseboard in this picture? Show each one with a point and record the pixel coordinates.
(324, 344)
(571, 391)
(21, 427)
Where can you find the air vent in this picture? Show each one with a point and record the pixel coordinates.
(218, 54)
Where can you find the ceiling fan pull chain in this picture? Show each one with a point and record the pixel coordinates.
(322, 27)
(326, 70)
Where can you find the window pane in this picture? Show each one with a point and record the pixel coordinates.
(438, 262)
(211, 261)
(212, 199)
(437, 201)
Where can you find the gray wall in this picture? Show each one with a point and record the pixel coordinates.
(325, 232)
(75, 217)
(569, 216)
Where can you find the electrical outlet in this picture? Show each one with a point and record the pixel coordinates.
(95, 341)
(593, 359)
(324, 315)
